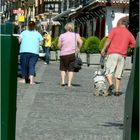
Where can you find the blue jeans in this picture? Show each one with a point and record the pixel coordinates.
(47, 56)
(28, 62)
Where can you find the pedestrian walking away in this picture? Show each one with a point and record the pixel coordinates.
(116, 45)
(47, 46)
(67, 44)
(30, 40)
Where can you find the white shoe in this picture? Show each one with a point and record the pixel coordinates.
(45, 63)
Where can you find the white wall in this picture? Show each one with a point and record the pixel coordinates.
(112, 22)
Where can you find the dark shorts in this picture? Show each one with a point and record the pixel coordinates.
(67, 62)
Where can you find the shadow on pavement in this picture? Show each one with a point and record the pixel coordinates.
(110, 124)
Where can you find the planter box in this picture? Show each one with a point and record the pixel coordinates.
(94, 59)
(89, 59)
(53, 55)
(128, 64)
(83, 56)
(58, 55)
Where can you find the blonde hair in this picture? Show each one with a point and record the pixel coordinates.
(69, 27)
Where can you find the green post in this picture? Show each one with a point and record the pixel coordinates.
(9, 59)
(131, 114)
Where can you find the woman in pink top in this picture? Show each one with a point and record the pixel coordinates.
(67, 44)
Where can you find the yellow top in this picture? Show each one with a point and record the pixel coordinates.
(47, 40)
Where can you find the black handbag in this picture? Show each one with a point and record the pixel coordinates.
(78, 63)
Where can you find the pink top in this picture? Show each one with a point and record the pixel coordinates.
(68, 42)
(121, 39)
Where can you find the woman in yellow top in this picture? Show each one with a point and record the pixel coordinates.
(47, 46)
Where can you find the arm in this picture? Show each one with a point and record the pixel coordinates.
(19, 39)
(80, 42)
(106, 45)
(132, 42)
(40, 40)
(59, 45)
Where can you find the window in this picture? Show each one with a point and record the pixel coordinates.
(55, 7)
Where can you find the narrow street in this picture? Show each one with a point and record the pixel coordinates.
(47, 111)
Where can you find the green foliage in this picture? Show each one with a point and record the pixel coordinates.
(92, 44)
(83, 50)
(129, 52)
(102, 42)
(54, 44)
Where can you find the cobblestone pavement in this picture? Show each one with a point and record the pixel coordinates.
(47, 111)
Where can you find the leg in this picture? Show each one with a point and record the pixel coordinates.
(70, 77)
(31, 77)
(24, 60)
(32, 63)
(47, 57)
(63, 75)
(119, 74)
(111, 85)
(117, 84)
(110, 67)
(109, 79)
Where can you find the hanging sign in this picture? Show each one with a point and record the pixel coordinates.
(18, 11)
(21, 18)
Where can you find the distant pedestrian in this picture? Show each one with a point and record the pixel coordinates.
(119, 39)
(30, 40)
(47, 46)
(67, 45)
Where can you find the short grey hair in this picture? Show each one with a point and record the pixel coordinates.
(69, 26)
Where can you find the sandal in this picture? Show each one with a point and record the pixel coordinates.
(63, 85)
(33, 83)
(117, 94)
(110, 89)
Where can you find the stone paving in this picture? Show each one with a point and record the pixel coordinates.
(47, 111)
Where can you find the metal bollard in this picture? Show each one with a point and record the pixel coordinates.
(131, 113)
(9, 59)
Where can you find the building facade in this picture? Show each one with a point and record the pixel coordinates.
(91, 17)
(94, 17)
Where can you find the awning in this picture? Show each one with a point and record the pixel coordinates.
(52, 22)
(65, 13)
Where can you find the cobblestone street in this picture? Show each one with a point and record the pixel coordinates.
(47, 111)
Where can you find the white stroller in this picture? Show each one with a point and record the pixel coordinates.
(100, 81)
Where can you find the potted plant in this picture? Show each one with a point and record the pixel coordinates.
(83, 51)
(91, 46)
(54, 48)
(102, 42)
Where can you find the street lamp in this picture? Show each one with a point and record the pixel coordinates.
(50, 15)
(112, 14)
